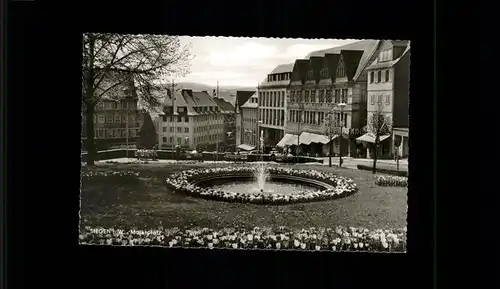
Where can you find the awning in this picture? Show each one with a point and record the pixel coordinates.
(246, 147)
(308, 138)
(369, 137)
(288, 140)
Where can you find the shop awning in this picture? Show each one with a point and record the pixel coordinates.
(308, 138)
(246, 147)
(369, 137)
(288, 140)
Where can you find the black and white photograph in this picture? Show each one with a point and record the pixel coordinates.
(245, 143)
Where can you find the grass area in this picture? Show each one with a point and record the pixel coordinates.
(148, 203)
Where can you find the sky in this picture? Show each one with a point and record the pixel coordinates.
(235, 61)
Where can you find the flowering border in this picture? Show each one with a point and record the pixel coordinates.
(90, 174)
(316, 239)
(183, 181)
(391, 181)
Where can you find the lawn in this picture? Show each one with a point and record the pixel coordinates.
(148, 203)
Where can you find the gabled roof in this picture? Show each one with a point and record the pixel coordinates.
(249, 104)
(351, 61)
(369, 47)
(299, 70)
(331, 61)
(315, 63)
(388, 64)
(242, 97)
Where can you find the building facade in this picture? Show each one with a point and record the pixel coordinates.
(116, 121)
(249, 122)
(332, 80)
(191, 120)
(229, 131)
(272, 104)
(388, 92)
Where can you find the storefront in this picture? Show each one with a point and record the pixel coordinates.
(400, 137)
(384, 150)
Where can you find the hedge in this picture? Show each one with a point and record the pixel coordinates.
(384, 171)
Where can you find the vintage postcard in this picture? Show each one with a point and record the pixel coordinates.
(244, 143)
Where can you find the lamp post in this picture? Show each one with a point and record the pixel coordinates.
(341, 105)
(259, 133)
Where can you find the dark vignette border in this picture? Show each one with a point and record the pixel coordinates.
(46, 95)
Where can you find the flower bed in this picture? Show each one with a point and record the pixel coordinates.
(183, 181)
(391, 181)
(317, 239)
(90, 174)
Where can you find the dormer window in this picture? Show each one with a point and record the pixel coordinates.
(385, 55)
(341, 69)
(372, 76)
(379, 76)
(324, 73)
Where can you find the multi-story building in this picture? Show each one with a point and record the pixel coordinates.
(319, 84)
(191, 120)
(229, 132)
(388, 92)
(272, 104)
(248, 115)
(117, 119)
(246, 110)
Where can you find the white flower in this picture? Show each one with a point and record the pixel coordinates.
(210, 245)
(385, 245)
(296, 243)
(235, 246)
(361, 245)
(278, 245)
(109, 241)
(334, 248)
(302, 246)
(355, 246)
(317, 248)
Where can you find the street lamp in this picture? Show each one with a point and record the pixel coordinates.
(259, 133)
(341, 105)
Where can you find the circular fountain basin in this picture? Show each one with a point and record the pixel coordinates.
(276, 184)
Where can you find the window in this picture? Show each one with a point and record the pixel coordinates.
(344, 95)
(379, 76)
(341, 69)
(313, 95)
(186, 129)
(164, 129)
(380, 98)
(179, 129)
(108, 105)
(186, 140)
(171, 139)
(124, 105)
(101, 118)
(101, 133)
(186, 118)
(109, 118)
(387, 99)
(337, 95)
(387, 75)
(372, 74)
(306, 96)
(109, 132)
(100, 106)
(179, 118)
(164, 139)
(132, 118)
(372, 99)
(171, 129)
(329, 96)
(118, 118)
(321, 96)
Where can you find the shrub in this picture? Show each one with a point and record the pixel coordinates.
(384, 171)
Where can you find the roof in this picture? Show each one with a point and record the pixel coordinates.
(190, 99)
(331, 61)
(315, 63)
(369, 47)
(224, 105)
(387, 64)
(351, 61)
(242, 97)
(249, 104)
(283, 68)
(299, 70)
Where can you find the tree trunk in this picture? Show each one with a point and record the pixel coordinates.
(90, 145)
(375, 153)
(331, 153)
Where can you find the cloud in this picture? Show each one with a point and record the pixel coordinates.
(247, 54)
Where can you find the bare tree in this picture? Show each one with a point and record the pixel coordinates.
(379, 124)
(138, 62)
(331, 127)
